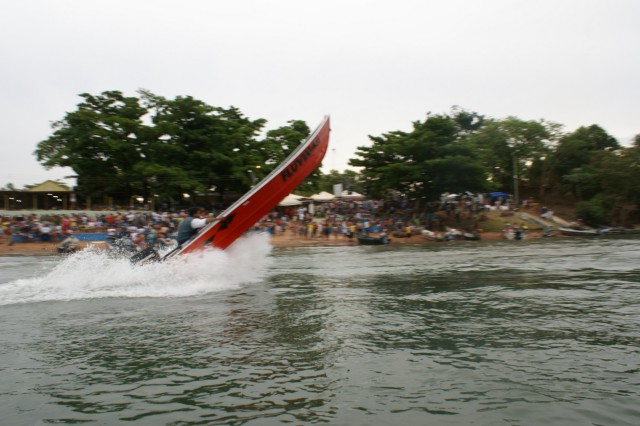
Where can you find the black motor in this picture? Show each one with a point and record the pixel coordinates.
(146, 255)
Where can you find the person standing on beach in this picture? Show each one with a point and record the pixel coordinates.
(65, 225)
(6, 231)
(45, 232)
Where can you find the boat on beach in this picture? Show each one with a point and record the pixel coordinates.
(616, 231)
(573, 232)
(432, 236)
(369, 240)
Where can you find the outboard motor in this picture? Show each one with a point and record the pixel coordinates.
(121, 243)
(146, 255)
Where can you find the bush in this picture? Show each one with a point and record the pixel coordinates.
(596, 211)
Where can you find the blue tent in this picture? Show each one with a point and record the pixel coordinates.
(499, 194)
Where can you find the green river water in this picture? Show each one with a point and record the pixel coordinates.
(507, 333)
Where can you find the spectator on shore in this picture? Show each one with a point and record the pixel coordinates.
(45, 232)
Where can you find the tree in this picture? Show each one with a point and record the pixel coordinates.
(433, 158)
(200, 147)
(608, 187)
(280, 142)
(468, 121)
(276, 147)
(152, 146)
(574, 153)
(103, 142)
(508, 147)
(157, 147)
(349, 179)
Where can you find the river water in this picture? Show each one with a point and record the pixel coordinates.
(502, 333)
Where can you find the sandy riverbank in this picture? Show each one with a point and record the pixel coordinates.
(279, 240)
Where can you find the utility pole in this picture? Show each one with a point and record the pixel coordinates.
(515, 181)
(333, 162)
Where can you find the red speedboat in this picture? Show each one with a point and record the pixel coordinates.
(263, 197)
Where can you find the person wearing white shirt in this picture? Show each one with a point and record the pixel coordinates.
(192, 224)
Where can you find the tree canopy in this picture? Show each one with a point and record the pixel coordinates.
(153, 146)
(435, 157)
(465, 151)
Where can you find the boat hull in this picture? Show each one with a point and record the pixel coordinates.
(372, 241)
(263, 197)
(570, 232)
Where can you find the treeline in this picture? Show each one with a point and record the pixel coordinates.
(150, 146)
(465, 151)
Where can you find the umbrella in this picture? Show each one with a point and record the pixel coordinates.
(291, 200)
(499, 194)
(323, 196)
(351, 194)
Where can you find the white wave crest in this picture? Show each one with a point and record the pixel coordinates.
(94, 274)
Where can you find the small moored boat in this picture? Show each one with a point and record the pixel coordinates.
(586, 232)
(368, 240)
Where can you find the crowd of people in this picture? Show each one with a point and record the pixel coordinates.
(144, 228)
(401, 218)
(336, 219)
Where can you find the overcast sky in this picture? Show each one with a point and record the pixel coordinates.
(374, 66)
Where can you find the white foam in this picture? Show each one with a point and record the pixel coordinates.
(93, 274)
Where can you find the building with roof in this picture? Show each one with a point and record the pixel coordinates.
(48, 195)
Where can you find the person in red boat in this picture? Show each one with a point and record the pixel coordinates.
(192, 224)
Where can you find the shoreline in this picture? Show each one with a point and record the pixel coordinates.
(281, 240)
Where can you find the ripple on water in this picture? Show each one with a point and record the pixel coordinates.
(451, 334)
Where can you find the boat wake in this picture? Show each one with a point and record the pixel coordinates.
(91, 274)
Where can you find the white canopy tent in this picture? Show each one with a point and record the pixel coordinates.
(323, 196)
(291, 200)
(350, 194)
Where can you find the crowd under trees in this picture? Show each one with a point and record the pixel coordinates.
(151, 146)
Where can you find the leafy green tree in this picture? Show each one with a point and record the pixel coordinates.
(571, 158)
(611, 181)
(200, 147)
(277, 145)
(431, 159)
(280, 142)
(596, 211)
(157, 147)
(468, 122)
(575, 149)
(509, 147)
(349, 179)
(103, 141)
(125, 146)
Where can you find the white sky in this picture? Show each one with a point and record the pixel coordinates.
(374, 66)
